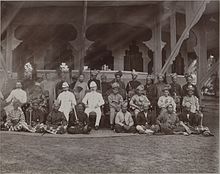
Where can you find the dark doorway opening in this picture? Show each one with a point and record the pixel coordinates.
(98, 55)
(133, 58)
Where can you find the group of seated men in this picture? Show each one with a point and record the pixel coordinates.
(146, 109)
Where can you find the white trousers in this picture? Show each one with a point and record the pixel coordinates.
(98, 114)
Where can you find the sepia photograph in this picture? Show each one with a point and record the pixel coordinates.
(116, 86)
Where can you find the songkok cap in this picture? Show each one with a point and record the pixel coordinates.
(173, 75)
(93, 84)
(118, 73)
(190, 88)
(140, 87)
(115, 85)
(65, 85)
(133, 72)
(94, 72)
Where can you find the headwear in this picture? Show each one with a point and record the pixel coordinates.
(118, 73)
(140, 87)
(115, 85)
(133, 72)
(64, 67)
(166, 87)
(190, 88)
(94, 72)
(65, 85)
(18, 84)
(173, 75)
(93, 84)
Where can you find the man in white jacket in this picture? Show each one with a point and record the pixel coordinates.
(67, 100)
(93, 101)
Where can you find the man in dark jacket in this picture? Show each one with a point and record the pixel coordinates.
(78, 121)
(133, 84)
(146, 121)
(35, 117)
(56, 120)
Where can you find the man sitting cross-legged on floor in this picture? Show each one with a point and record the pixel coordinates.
(146, 121)
(93, 102)
(15, 120)
(169, 122)
(115, 101)
(35, 117)
(123, 121)
(56, 120)
(78, 121)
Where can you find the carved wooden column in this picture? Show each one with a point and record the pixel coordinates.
(201, 51)
(173, 30)
(156, 44)
(11, 44)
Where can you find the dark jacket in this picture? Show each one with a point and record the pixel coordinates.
(36, 116)
(141, 119)
(82, 119)
(56, 118)
(151, 93)
(132, 85)
(175, 88)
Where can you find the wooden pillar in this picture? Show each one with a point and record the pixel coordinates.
(9, 48)
(201, 51)
(173, 30)
(157, 46)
